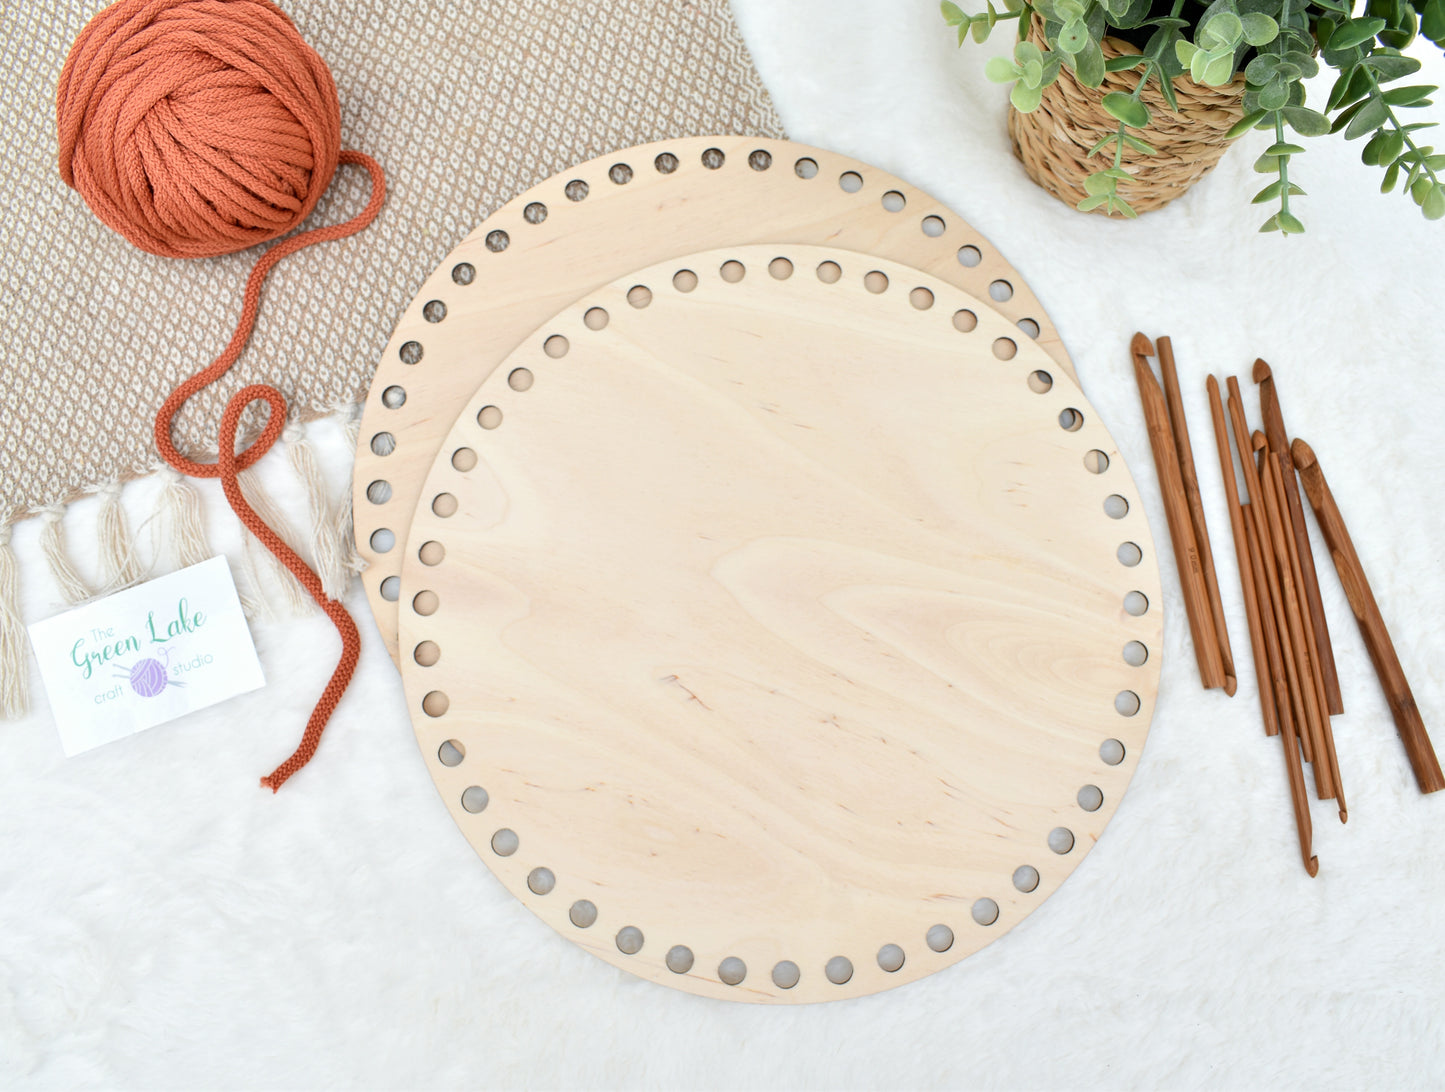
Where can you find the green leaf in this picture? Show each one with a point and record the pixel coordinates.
(1261, 70)
(1245, 124)
(1432, 23)
(1269, 193)
(1123, 62)
(1140, 145)
(1306, 122)
(1259, 29)
(1392, 175)
(1266, 164)
(1119, 205)
(1281, 147)
(980, 30)
(1370, 153)
(1272, 224)
(1099, 183)
(1026, 99)
(1033, 75)
(1026, 52)
(1197, 64)
(1074, 37)
(1289, 224)
(1089, 204)
(1434, 204)
(1001, 70)
(1421, 188)
(1223, 30)
(1127, 109)
(1372, 115)
(1390, 66)
(1220, 70)
(1274, 94)
(952, 12)
(1408, 96)
(1355, 32)
(1103, 143)
(1089, 65)
(1185, 51)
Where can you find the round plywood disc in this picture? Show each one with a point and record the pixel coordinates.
(780, 626)
(579, 230)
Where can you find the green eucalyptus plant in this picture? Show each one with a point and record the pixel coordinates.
(1277, 44)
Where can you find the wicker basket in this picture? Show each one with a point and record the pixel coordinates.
(1053, 141)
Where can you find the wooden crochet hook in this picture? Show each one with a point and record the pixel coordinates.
(1372, 624)
(1274, 430)
(1190, 478)
(1176, 512)
(1241, 553)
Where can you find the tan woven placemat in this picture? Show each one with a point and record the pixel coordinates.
(464, 102)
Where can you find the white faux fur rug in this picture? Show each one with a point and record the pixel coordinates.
(164, 923)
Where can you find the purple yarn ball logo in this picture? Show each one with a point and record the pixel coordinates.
(149, 677)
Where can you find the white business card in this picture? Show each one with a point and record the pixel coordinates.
(146, 655)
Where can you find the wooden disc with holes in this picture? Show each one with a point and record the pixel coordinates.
(781, 625)
(582, 228)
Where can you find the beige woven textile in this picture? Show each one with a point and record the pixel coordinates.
(464, 103)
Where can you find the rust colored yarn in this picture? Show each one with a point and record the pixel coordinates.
(1053, 141)
(196, 128)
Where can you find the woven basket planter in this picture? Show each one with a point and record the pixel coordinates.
(1053, 141)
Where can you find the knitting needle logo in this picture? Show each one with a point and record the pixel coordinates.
(149, 677)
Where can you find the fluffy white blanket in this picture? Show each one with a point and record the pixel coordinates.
(166, 923)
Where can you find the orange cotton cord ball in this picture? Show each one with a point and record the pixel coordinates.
(197, 127)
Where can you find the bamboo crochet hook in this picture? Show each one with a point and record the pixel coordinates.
(1176, 512)
(1320, 649)
(1190, 479)
(1372, 624)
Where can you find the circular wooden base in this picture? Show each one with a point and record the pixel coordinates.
(780, 624)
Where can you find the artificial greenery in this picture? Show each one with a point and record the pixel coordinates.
(1277, 44)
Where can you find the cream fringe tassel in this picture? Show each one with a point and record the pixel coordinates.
(14, 670)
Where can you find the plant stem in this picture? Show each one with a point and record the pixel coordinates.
(1283, 162)
(1394, 121)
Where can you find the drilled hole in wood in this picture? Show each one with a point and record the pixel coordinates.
(780, 269)
(427, 653)
(732, 970)
(1000, 291)
(890, 958)
(410, 352)
(713, 158)
(451, 753)
(684, 280)
(1129, 554)
(498, 241)
(393, 397)
(382, 540)
(489, 417)
(1136, 603)
(464, 459)
(1061, 840)
(679, 959)
(1115, 506)
(629, 940)
(379, 491)
(969, 256)
(1005, 348)
(1040, 382)
(1136, 653)
(838, 970)
(1071, 420)
(541, 881)
(985, 911)
(894, 201)
(1028, 326)
(620, 173)
(1090, 798)
(1026, 878)
(786, 974)
(939, 938)
(583, 913)
(639, 295)
(665, 163)
(505, 842)
(1126, 703)
(425, 603)
(576, 190)
(876, 281)
(391, 588)
(475, 799)
(535, 212)
(921, 298)
(434, 311)
(760, 160)
(732, 271)
(596, 318)
(444, 505)
(933, 226)
(432, 553)
(965, 321)
(806, 168)
(464, 273)
(829, 272)
(521, 379)
(436, 704)
(850, 181)
(556, 346)
(383, 444)
(1096, 462)
(1111, 752)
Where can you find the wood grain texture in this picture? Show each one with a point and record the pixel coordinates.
(544, 249)
(780, 620)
